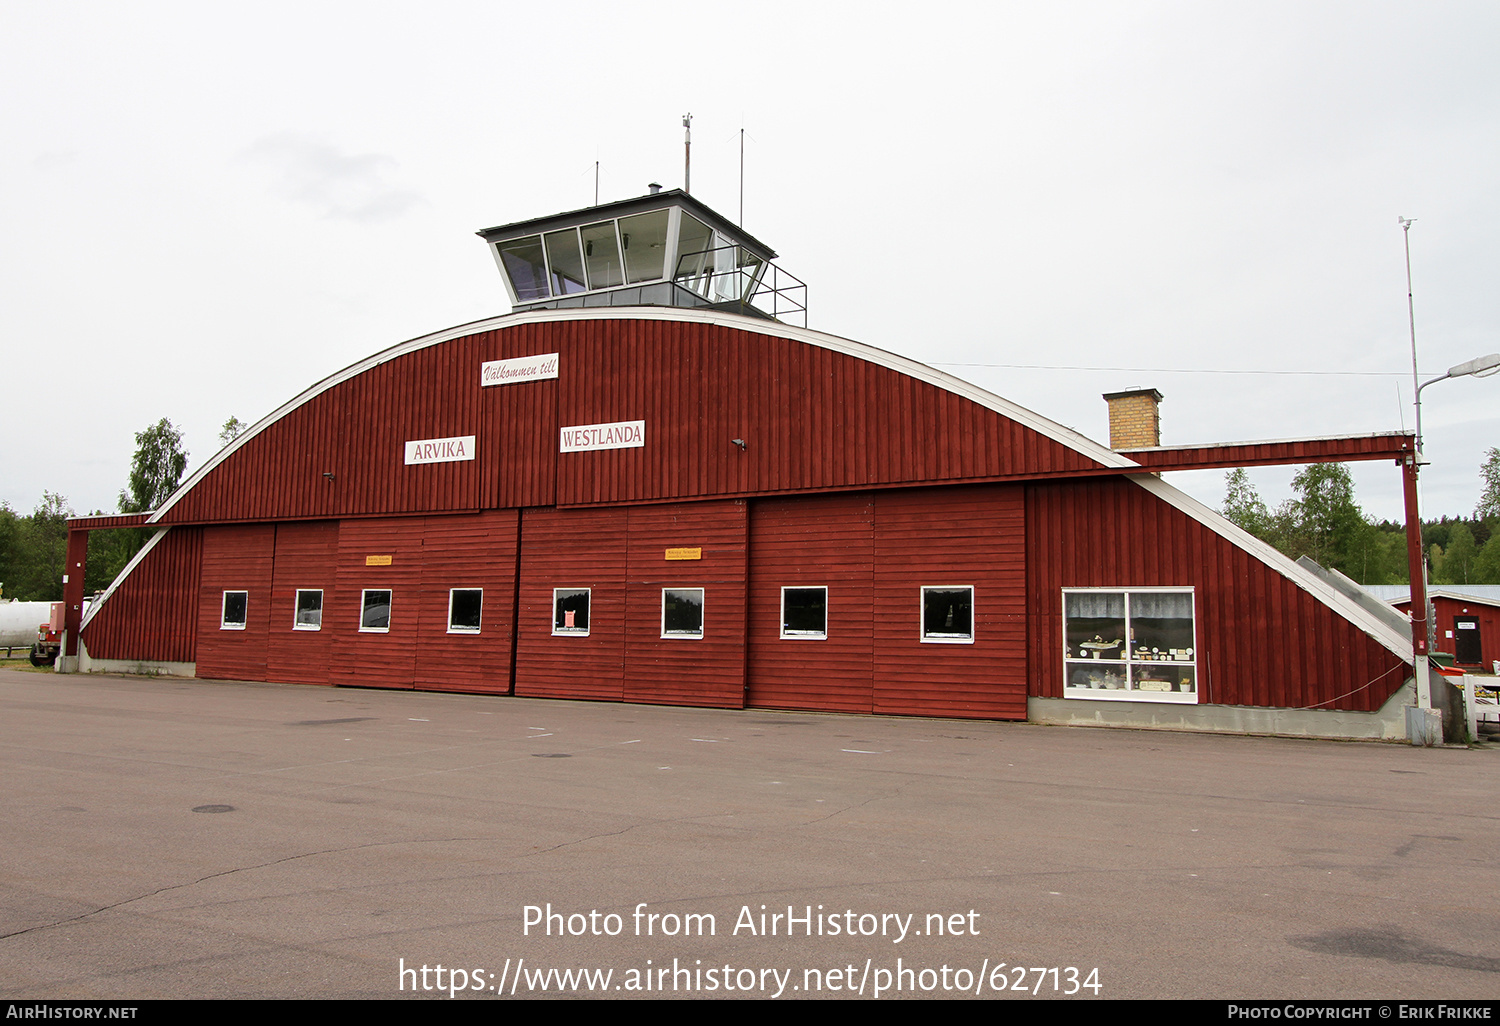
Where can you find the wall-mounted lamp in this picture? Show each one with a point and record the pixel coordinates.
(328, 474)
(739, 442)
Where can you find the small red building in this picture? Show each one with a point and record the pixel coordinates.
(1468, 626)
(640, 487)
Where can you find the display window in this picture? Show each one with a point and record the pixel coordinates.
(948, 614)
(1134, 644)
(234, 612)
(375, 610)
(682, 613)
(804, 613)
(464, 608)
(309, 614)
(570, 611)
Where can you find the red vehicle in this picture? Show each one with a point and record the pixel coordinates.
(48, 638)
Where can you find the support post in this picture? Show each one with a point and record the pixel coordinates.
(73, 570)
(1417, 569)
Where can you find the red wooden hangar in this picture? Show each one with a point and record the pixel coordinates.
(645, 485)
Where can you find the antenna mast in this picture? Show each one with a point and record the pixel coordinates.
(687, 153)
(1411, 313)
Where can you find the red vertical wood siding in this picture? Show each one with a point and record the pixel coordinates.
(237, 557)
(583, 548)
(1450, 610)
(709, 671)
(812, 419)
(815, 541)
(1262, 641)
(153, 614)
(356, 431)
(467, 551)
(953, 536)
(306, 558)
(373, 658)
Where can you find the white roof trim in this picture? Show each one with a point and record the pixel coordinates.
(1051, 429)
(1451, 595)
(1398, 643)
(94, 607)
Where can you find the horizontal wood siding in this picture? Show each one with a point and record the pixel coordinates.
(582, 548)
(814, 541)
(236, 557)
(956, 537)
(709, 671)
(373, 659)
(467, 551)
(153, 614)
(1262, 641)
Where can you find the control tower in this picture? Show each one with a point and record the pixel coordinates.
(661, 249)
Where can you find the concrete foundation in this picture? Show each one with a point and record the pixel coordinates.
(84, 663)
(1388, 724)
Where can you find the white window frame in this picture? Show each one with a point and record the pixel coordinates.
(224, 622)
(364, 603)
(572, 632)
(465, 630)
(297, 608)
(787, 635)
(1128, 660)
(947, 639)
(702, 619)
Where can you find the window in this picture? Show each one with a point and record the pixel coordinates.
(375, 610)
(524, 263)
(236, 603)
(1135, 645)
(570, 611)
(804, 613)
(309, 615)
(682, 612)
(948, 614)
(464, 607)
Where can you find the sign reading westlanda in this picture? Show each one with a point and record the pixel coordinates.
(625, 434)
(440, 450)
(522, 368)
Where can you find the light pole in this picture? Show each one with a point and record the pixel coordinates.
(1479, 367)
(1421, 628)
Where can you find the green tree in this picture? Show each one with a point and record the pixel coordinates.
(109, 551)
(1243, 505)
(1324, 521)
(231, 430)
(1457, 563)
(1486, 568)
(1489, 499)
(157, 468)
(42, 551)
(10, 545)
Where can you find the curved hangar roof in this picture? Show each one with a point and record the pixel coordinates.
(704, 404)
(814, 412)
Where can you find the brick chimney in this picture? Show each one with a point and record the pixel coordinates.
(1134, 418)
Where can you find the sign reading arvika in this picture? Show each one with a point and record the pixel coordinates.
(625, 434)
(522, 368)
(440, 450)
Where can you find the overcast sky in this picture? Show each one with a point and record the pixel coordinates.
(205, 208)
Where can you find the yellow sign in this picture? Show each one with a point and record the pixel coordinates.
(377, 561)
(685, 553)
